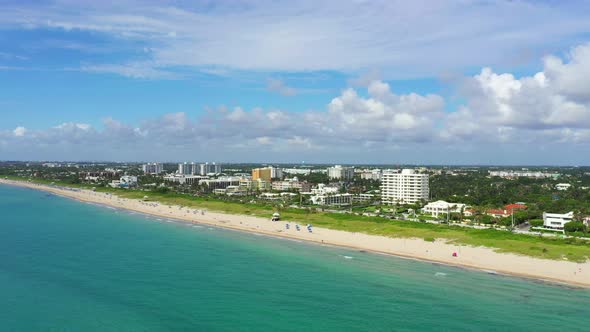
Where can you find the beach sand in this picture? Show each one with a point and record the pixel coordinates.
(438, 251)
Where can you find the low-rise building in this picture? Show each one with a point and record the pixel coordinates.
(230, 191)
(372, 174)
(323, 189)
(524, 173)
(255, 184)
(126, 181)
(363, 198)
(498, 213)
(184, 179)
(563, 186)
(557, 220)
(515, 207)
(221, 182)
(442, 207)
(291, 184)
(297, 171)
(332, 199)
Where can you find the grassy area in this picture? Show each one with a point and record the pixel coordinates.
(501, 241)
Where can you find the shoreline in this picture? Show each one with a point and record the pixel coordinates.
(439, 252)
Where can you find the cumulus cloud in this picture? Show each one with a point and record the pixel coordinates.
(19, 131)
(501, 110)
(553, 103)
(349, 119)
(384, 116)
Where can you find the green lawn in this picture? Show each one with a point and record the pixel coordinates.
(501, 241)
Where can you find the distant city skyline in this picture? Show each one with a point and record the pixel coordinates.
(379, 82)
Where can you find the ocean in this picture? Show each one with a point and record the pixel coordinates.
(72, 266)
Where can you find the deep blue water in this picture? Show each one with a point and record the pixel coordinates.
(71, 266)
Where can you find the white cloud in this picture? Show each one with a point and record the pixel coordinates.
(139, 70)
(349, 119)
(384, 116)
(543, 112)
(403, 39)
(555, 101)
(19, 131)
(277, 85)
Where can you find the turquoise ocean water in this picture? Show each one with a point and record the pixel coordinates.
(71, 266)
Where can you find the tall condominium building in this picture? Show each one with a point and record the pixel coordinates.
(405, 187)
(153, 168)
(186, 168)
(262, 173)
(209, 168)
(340, 173)
(276, 173)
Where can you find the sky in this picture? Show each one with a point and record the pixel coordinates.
(386, 82)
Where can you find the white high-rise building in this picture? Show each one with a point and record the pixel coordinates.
(209, 168)
(153, 168)
(405, 187)
(185, 168)
(340, 173)
(276, 173)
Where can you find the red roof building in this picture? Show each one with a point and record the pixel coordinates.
(497, 213)
(515, 207)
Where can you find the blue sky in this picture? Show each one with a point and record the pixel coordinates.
(474, 82)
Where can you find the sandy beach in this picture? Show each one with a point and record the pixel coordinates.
(438, 251)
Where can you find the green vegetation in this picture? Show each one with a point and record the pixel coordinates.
(476, 188)
(574, 226)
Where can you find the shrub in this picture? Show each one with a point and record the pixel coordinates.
(485, 219)
(574, 226)
(162, 190)
(536, 222)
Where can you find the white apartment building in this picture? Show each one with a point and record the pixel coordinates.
(372, 174)
(258, 184)
(153, 168)
(276, 173)
(442, 207)
(556, 220)
(291, 184)
(184, 179)
(563, 186)
(187, 169)
(208, 168)
(340, 173)
(405, 187)
(221, 182)
(333, 199)
(524, 173)
(322, 189)
(295, 171)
